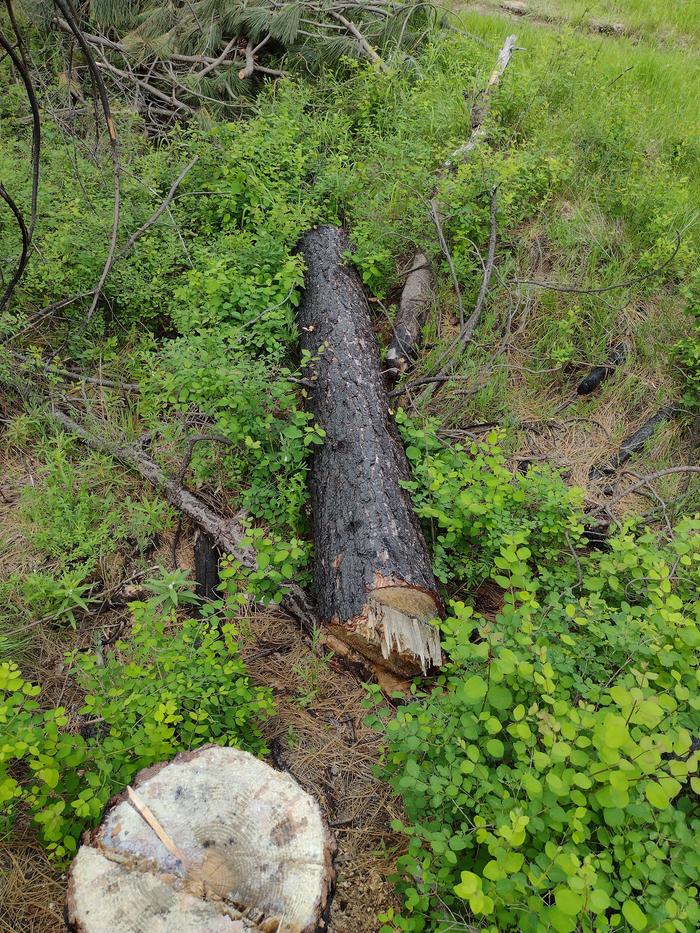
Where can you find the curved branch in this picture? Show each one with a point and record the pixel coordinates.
(114, 147)
(575, 289)
(24, 257)
(20, 64)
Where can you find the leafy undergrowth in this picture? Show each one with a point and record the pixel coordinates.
(547, 773)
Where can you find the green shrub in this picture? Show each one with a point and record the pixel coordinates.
(72, 514)
(549, 774)
(174, 685)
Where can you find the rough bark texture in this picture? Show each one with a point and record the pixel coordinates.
(416, 298)
(374, 582)
(206, 566)
(632, 444)
(239, 847)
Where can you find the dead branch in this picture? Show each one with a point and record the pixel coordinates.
(471, 324)
(577, 290)
(189, 450)
(24, 255)
(482, 106)
(80, 377)
(162, 207)
(435, 214)
(644, 481)
(227, 534)
(20, 63)
(114, 148)
(461, 155)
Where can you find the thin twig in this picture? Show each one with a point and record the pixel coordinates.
(577, 290)
(471, 324)
(644, 481)
(435, 214)
(158, 211)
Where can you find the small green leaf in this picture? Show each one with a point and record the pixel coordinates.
(634, 916)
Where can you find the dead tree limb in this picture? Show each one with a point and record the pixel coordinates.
(114, 149)
(226, 533)
(644, 481)
(628, 283)
(470, 325)
(461, 154)
(416, 298)
(162, 207)
(20, 63)
(482, 106)
(374, 582)
(24, 254)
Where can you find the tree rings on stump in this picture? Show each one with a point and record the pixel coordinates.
(215, 841)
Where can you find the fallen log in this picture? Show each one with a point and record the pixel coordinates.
(416, 298)
(482, 106)
(374, 583)
(214, 840)
(631, 444)
(412, 310)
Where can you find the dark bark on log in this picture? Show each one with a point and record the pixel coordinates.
(206, 566)
(632, 444)
(416, 298)
(374, 582)
(599, 373)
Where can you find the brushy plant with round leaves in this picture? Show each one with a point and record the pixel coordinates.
(549, 775)
(174, 685)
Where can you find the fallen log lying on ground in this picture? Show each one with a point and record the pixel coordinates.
(374, 583)
(631, 444)
(214, 840)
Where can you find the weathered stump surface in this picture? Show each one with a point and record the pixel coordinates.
(374, 582)
(248, 850)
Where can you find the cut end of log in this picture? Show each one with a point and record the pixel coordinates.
(394, 630)
(215, 840)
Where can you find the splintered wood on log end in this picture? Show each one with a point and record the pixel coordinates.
(215, 840)
(374, 581)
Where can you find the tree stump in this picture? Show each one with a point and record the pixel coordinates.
(374, 582)
(215, 841)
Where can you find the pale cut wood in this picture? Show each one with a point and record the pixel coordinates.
(215, 841)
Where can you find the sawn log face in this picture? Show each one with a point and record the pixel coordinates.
(371, 561)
